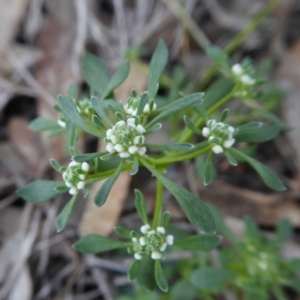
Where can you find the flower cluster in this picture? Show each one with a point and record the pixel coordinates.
(74, 176)
(241, 75)
(219, 134)
(132, 105)
(84, 107)
(152, 242)
(126, 138)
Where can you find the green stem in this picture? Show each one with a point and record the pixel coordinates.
(240, 37)
(158, 204)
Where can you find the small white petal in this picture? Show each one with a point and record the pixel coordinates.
(110, 148)
(217, 149)
(134, 240)
(140, 129)
(146, 109)
(133, 149)
(129, 111)
(155, 255)
(154, 106)
(113, 139)
(109, 133)
(237, 69)
(132, 125)
(142, 151)
(85, 167)
(137, 139)
(142, 241)
(137, 256)
(130, 120)
(82, 176)
(134, 113)
(170, 240)
(73, 164)
(64, 174)
(119, 148)
(161, 230)
(163, 247)
(205, 131)
(211, 123)
(68, 184)
(228, 143)
(145, 228)
(61, 123)
(73, 191)
(120, 122)
(80, 185)
(231, 129)
(246, 79)
(124, 154)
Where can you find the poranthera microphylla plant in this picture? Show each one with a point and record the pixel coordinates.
(124, 130)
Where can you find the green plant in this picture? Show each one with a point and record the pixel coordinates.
(124, 129)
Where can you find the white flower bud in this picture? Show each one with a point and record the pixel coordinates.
(247, 80)
(73, 164)
(61, 123)
(142, 241)
(237, 69)
(170, 240)
(73, 191)
(161, 230)
(231, 129)
(217, 149)
(130, 120)
(134, 240)
(68, 184)
(145, 228)
(228, 143)
(119, 148)
(85, 167)
(82, 176)
(163, 247)
(146, 109)
(113, 139)
(110, 148)
(137, 256)
(80, 185)
(134, 113)
(211, 123)
(142, 151)
(156, 255)
(109, 133)
(124, 154)
(140, 129)
(121, 123)
(205, 131)
(133, 149)
(64, 175)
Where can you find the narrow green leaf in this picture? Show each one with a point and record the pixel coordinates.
(160, 278)
(41, 124)
(195, 210)
(98, 106)
(209, 172)
(116, 79)
(94, 243)
(104, 190)
(155, 127)
(55, 165)
(268, 177)
(230, 158)
(252, 230)
(133, 270)
(65, 214)
(69, 109)
(188, 122)
(166, 218)
(145, 276)
(140, 205)
(87, 156)
(143, 101)
(211, 277)
(157, 65)
(217, 91)
(202, 242)
(71, 134)
(96, 121)
(40, 191)
(171, 147)
(123, 232)
(72, 91)
(224, 114)
(219, 57)
(257, 132)
(55, 132)
(135, 166)
(284, 230)
(95, 73)
(178, 105)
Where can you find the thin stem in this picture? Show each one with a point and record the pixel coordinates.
(158, 204)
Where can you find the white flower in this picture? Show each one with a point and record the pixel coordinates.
(124, 154)
(133, 149)
(110, 148)
(61, 123)
(228, 143)
(247, 80)
(163, 247)
(85, 167)
(205, 131)
(140, 129)
(81, 176)
(73, 191)
(217, 149)
(68, 184)
(142, 241)
(155, 255)
(119, 148)
(161, 230)
(134, 240)
(137, 256)
(145, 228)
(170, 240)
(109, 133)
(80, 185)
(237, 69)
(142, 151)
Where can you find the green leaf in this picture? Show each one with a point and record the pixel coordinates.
(252, 230)
(171, 147)
(202, 242)
(41, 124)
(65, 214)
(133, 270)
(98, 106)
(188, 122)
(157, 65)
(268, 177)
(224, 115)
(40, 191)
(211, 277)
(95, 73)
(217, 91)
(116, 79)
(183, 289)
(143, 101)
(219, 57)
(209, 172)
(123, 232)
(155, 127)
(180, 104)
(195, 210)
(140, 205)
(104, 190)
(55, 165)
(160, 278)
(87, 156)
(135, 166)
(145, 276)
(230, 158)
(94, 243)
(257, 132)
(166, 218)
(71, 134)
(284, 230)
(69, 109)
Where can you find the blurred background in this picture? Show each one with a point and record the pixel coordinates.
(41, 46)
